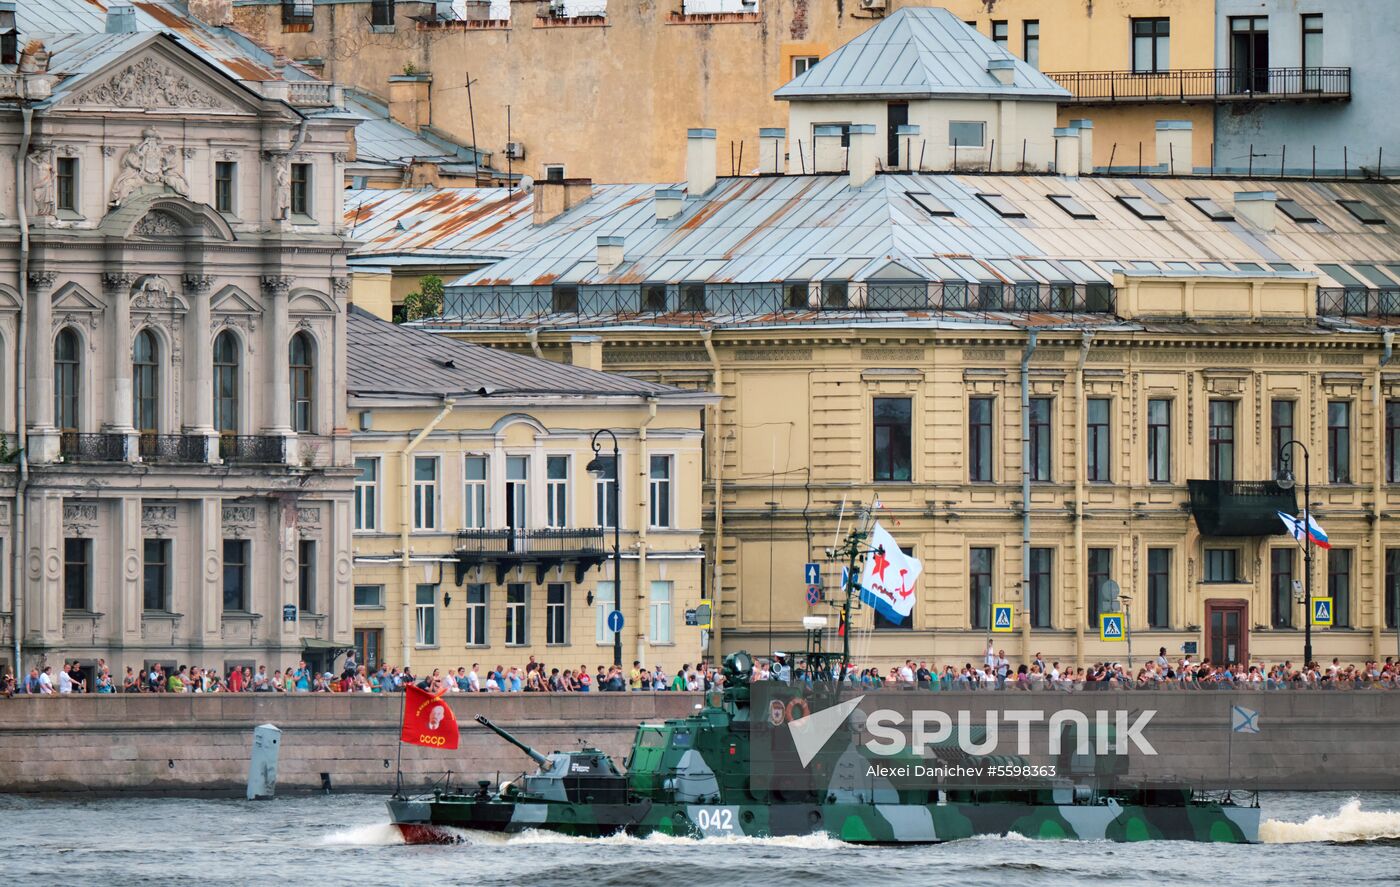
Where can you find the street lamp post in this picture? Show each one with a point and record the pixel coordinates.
(599, 469)
(1286, 481)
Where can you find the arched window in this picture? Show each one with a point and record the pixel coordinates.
(67, 369)
(145, 377)
(302, 357)
(226, 367)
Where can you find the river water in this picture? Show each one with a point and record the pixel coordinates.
(1320, 838)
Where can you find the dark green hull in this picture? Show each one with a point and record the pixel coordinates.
(437, 820)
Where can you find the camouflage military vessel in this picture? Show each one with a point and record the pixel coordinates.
(721, 772)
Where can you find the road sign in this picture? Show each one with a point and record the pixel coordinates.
(704, 613)
(845, 577)
(1003, 617)
(690, 618)
(812, 574)
(814, 593)
(614, 620)
(1322, 611)
(289, 612)
(1110, 626)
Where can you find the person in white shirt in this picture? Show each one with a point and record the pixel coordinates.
(906, 673)
(45, 681)
(990, 657)
(474, 680)
(65, 681)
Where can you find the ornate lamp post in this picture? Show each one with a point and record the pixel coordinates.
(598, 467)
(1286, 481)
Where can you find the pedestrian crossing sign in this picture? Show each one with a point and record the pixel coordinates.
(1322, 611)
(1110, 626)
(1002, 617)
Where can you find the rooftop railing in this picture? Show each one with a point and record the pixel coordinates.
(1355, 301)
(1208, 84)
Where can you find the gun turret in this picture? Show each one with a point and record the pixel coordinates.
(534, 755)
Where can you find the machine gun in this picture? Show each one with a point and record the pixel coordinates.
(534, 755)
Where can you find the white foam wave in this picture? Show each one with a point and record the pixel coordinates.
(376, 834)
(1350, 824)
(817, 841)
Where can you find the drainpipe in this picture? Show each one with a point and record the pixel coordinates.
(1377, 492)
(1032, 339)
(17, 536)
(1084, 343)
(533, 335)
(406, 522)
(717, 474)
(643, 588)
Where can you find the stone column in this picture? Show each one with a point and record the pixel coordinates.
(277, 398)
(206, 595)
(127, 597)
(285, 520)
(43, 439)
(340, 610)
(43, 609)
(199, 362)
(120, 419)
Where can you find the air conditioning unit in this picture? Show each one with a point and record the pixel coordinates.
(515, 150)
(874, 5)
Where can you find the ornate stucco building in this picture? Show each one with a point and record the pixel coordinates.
(178, 475)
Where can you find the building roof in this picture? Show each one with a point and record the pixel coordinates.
(384, 142)
(389, 360)
(919, 53)
(470, 225)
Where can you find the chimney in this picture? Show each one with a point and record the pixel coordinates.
(1259, 209)
(862, 157)
(1004, 70)
(1174, 147)
(1067, 151)
(552, 199)
(699, 161)
(770, 150)
(827, 153)
(1086, 145)
(218, 13)
(609, 253)
(410, 100)
(668, 202)
(121, 18)
(910, 146)
(586, 352)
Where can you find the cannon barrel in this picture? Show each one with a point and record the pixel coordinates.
(536, 756)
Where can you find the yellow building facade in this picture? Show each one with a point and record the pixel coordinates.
(479, 534)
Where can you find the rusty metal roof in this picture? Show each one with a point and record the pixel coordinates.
(471, 225)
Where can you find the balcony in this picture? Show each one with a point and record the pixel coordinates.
(1356, 301)
(1206, 85)
(102, 447)
(173, 448)
(545, 548)
(252, 449)
(1240, 507)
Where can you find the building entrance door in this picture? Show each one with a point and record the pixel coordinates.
(1227, 632)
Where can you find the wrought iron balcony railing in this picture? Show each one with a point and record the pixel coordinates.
(545, 548)
(1356, 301)
(100, 447)
(1206, 85)
(173, 448)
(1240, 507)
(252, 449)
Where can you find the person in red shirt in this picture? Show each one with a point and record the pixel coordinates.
(235, 680)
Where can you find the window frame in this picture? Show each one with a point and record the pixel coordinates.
(478, 614)
(661, 613)
(1278, 428)
(556, 615)
(300, 193)
(145, 383)
(1219, 446)
(476, 492)
(1282, 592)
(67, 173)
(1042, 440)
(1392, 440)
(886, 469)
(301, 381)
(1001, 32)
(366, 520)
(227, 384)
(981, 440)
(1030, 38)
(806, 61)
(607, 507)
(226, 187)
(1340, 442)
(982, 139)
(1159, 443)
(1104, 572)
(517, 613)
(243, 547)
(425, 616)
(77, 574)
(517, 492)
(1341, 597)
(1098, 465)
(556, 491)
(379, 595)
(660, 498)
(1041, 594)
(68, 380)
(981, 585)
(1158, 41)
(1220, 565)
(306, 576)
(1159, 588)
(162, 566)
(433, 521)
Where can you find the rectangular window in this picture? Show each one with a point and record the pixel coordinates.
(224, 178)
(979, 585)
(369, 597)
(556, 613)
(1042, 586)
(1312, 52)
(893, 437)
(1041, 443)
(603, 604)
(425, 476)
(1000, 32)
(1392, 586)
(1339, 586)
(557, 490)
(301, 189)
(967, 133)
(306, 575)
(979, 439)
(236, 575)
(565, 300)
(1222, 565)
(367, 494)
(1281, 430)
(1281, 587)
(517, 492)
(474, 485)
(1159, 441)
(1031, 42)
(659, 611)
(1392, 441)
(1159, 587)
(660, 492)
(426, 611)
(835, 294)
(1140, 207)
(155, 558)
(476, 614)
(605, 492)
(654, 298)
(66, 184)
(1249, 53)
(1151, 45)
(801, 64)
(692, 297)
(1100, 571)
(517, 614)
(1221, 453)
(368, 643)
(1100, 458)
(1339, 441)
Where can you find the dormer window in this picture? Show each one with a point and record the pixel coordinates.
(1141, 208)
(1003, 207)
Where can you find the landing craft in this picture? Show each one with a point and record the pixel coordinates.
(800, 767)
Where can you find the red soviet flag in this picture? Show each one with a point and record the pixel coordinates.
(427, 720)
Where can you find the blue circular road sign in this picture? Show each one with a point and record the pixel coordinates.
(615, 620)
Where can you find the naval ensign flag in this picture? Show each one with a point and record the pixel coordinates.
(887, 581)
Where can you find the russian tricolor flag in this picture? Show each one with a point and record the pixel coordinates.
(1304, 527)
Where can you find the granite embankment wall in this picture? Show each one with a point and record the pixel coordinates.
(192, 744)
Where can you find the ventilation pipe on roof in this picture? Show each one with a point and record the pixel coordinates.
(586, 352)
(1258, 209)
(1174, 147)
(1086, 144)
(909, 146)
(668, 202)
(609, 251)
(1067, 151)
(862, 154)
(121, 18)
(827, 153)
(770, 150)
(1004, 70)
(699, 161)
(554, 198)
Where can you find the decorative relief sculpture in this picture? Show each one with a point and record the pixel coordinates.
(282, 186)
(149, 84)
(159, 224)
(152, 293)
(45, 188)
(149, 162)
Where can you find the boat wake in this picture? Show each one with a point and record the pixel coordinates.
(1351, 825)
(377, 834)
